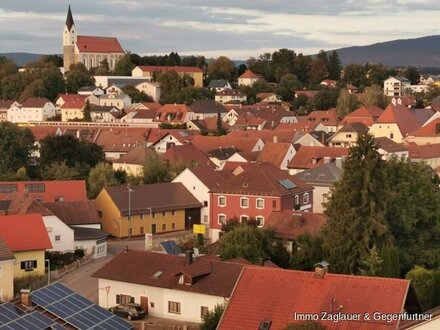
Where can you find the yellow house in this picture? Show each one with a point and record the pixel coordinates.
(149, 71)
(153, 208)
(133, 161)
(27, 238)
(7, 261)
(347, 135)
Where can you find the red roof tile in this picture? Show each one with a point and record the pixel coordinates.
(429, 130)
(75, 213)
(426, 151)
(267, 135)
(73, 101)
(172, 113)
(92, 44)
(365, 115)
(401, 116)
(310, 157)
(178, 69)
(276, 294)
(25, 232)
(187, 155)
(274, 153)
(208, 176)
(248, 74)
(326, 117)
(35, 102)
(208, 143)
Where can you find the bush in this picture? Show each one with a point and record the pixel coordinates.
(79, 253)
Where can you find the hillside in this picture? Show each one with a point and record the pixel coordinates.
(419, 52)
(22, 59)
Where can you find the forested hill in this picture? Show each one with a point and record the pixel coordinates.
(22, 59)
(419, 52)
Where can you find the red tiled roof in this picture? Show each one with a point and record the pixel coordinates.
(326, 117)
(35, 102)
(178, 69)
(364, 115)
(25, 232)
(230, 92)
(208, 176)
(263, 96)
(328, 82)
(429, 130)
(73, 101)
(6, 104)
(152, 105)
(75, 213)
(92, 44)
(291, 224)
(121, 139)
(313, 156)
(276, 294)
(426, 151)
(301, 126)
(267, 135)
(401, 116)
(208, 143)
(187, 155)
(172, 113)
(274, 153)
(40, 132)
(261, 180)
(5, 252)
(248, 74)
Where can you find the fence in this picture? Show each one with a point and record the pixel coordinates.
(56, 274)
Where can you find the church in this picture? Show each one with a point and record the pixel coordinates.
(90, 50)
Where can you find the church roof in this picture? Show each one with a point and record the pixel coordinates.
(69, 19)
(92, 44)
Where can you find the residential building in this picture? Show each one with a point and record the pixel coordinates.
(274, 298)
(120, 82)
(105, 113)
(268, 97)
(150, 88)
(118, 141)
(153, 208)
(248, 78)
(184, 156)
(4, 106)
(166, 285)
(230, 96)
(174, 113)
(7, 261)
(89, 50)
(90, 90)
(277, 153)
(255, 192)
(27, 238)
(347, 135)
(173, 137)
(219, 85)
(389, 149)
(203, 109)
(208, 143)
(120, 101)
(364, 115)
(71, 106)
(33, 109)
(426, 134)
(149, 71)
(133, 162)
(208, 126)
(396, 86)
(426, 153)
(310, 157)
(329, 118)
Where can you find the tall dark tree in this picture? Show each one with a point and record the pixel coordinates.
(87, 112)
(317, 71)
(334, 66)
(346, 103)
(301, 68)
(283, 63)
(77, 77)
(355, 74)
(412, 74)
(374, 96)
(136, 95)
(356, 209)
(123, 66)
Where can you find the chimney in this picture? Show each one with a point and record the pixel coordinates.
(26, 300)
(339, 161)
(275, 139)
(326, 160)
(188, 257)
(321, 268)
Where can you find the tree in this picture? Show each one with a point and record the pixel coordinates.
(356, 209)
(221, 68)
(288, 83)
(59, 171)
(306, 325)
(87, 112)
(412, 74)
(422, 280)
(16, 147)
(102, 175)
(355, 74)
(103, 69)
(155, 171)
(317, 71)
(346, 103)
(212, 318)
(123, 66)
(301, 67)
(283, 61)
(77, 77)
(391, 263)
(323, 100)
(372, 265)
(198, 61)
(374, 96)
(136, 95)
(306, 252)
(377, 73)
(334, 66)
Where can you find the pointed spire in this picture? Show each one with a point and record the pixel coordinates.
(69, 19)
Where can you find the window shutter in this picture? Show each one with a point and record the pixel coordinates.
(35, 264)
(23, 265)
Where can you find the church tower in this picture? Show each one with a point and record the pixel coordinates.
(69, 41)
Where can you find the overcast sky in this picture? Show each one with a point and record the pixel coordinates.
(235, 28)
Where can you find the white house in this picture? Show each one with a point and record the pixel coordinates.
(167, 286)
(150, 88)
(121, 101)
(32, 110)
(248, 78)
(396, 86)
(90, 90)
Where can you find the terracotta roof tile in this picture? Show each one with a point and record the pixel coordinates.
(389, 145)
(35, 102)
(25, 232)
(75, 213)
(365, 115)
(208, 176)
(426, 151)
(274, 153)
(92, 44)
(5, 252)
(326, 117)
(207, 106)
(187, 155)
(267, 135)
(276, 294)
(401, 116)
(308, 157)
(429, 130)
(178, 69)
(174, 113)
(248, 74)
(230, 92)
(72, 101)
(207, 143)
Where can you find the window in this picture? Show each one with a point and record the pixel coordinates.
(100, 214)
(260, 203)
(306, 198)
(173, 226)
(8, 188)
(391, 135)
(34, 187)
(348, 136)
(164, 213)
(164, 227)
(205, 203)
(142, 216)
(141, 230)
(244, 202)
(174, 307)
(221, 219)
(203, 311)
(28, 265)
(260, 220)
(222, 201)
(274, 204)
(124, 298)
(243, 218)
(205, 219)
(296, 199)
(57, 238)
(173, 212)
(153, 214)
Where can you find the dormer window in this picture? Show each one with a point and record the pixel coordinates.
(184, 279)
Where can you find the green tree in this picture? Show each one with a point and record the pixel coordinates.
(372, 264)
(59, 171)
(412, 74)
(87, 112)
(301, 68)
(197, 61)
(317, 71)
(103, 69)
(334, 66)
(288, 83)
(323, 100)
(123, 66)
(306, 252)
(102, 175)
(374, 96)
(377, 73)
(77, 77)
(155, 171)
(391, 263)
(355, 74)
(136, 95)
(283, 61)
(212, 318)
(422, 280)
(356, 209)
(220, 68)
(346, 103)
(16, 147)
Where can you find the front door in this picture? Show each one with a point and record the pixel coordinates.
(153, 229)
(144, 303)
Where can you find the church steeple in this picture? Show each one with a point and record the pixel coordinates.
(69, 20)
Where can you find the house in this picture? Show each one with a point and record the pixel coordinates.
(90, 90)
(184, 156)
(140, 117)
(248, 78)
(4, 106)
(89, 50)
(174, 113)
(133, 161)
(118, 141)
(268, 97)
(329, 118)
(150, 71)
(208, 143)
(271, 298)
(172, 137)
(308, 157)
(199, 181)
(27, 238)
(56, 306)
(153, 208)
(47, 191)
(113, 90)
(396, 122)
(120, 101)
(221, 156)
(328, 83)
(208, 126)
(277, 153)
(388, 148)
(203, 109)
(288, 225)
(427, 153)
(7, 261)
(321, 178)
(119, 81)
(313, 138)
(426, 134)
(230, 95)
(33, 109)
(71, 106)
(105, 114)
(396, 86)
(255, 192)
(347, 135)
(364, 115)
(150, 88)
(219, 85)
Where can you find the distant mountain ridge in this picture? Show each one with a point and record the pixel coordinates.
(22, 59)
(418, 52)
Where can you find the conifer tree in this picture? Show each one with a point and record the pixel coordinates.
(356, 209)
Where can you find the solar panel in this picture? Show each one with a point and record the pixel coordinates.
(9, 312)
(14, 318)
(286, 183)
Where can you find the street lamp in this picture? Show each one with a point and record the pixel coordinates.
(48, 270)
(129, 211)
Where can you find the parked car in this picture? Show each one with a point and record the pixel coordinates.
(131, 311)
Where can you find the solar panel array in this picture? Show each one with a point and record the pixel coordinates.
(12, 318)
(76, 310)
(286, 183)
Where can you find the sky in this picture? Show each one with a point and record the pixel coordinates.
(239, 29)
